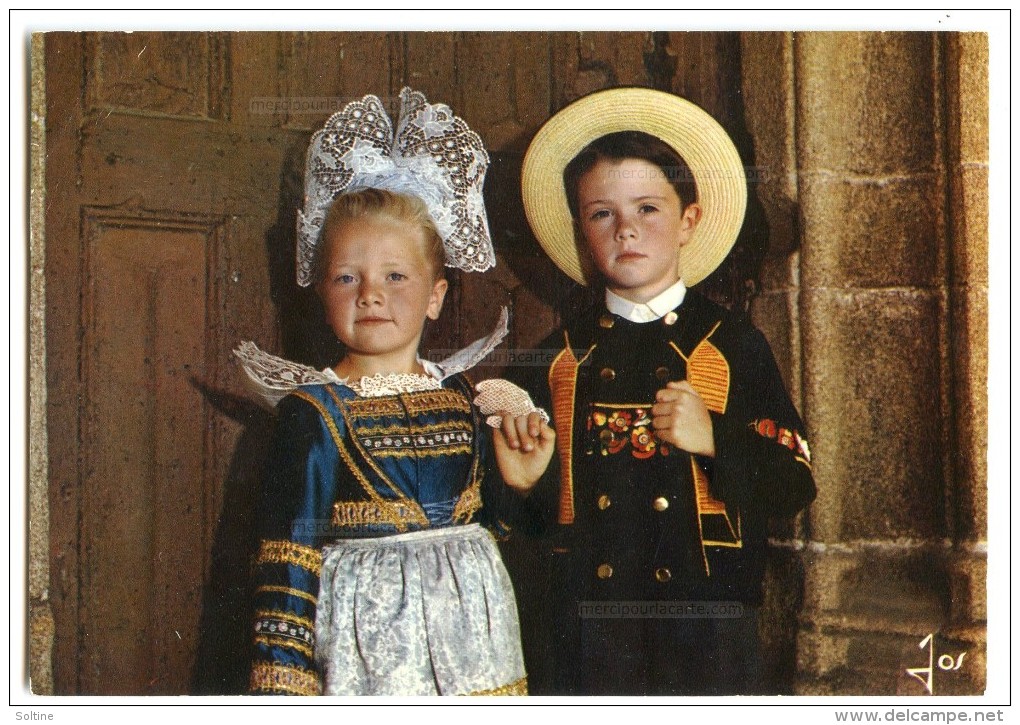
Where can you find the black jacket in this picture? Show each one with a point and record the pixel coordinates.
(635, 519)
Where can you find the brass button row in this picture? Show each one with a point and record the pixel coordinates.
(609, 375)
(660, 504)
(662, 574)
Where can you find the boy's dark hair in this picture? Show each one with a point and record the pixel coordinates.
(631, 145)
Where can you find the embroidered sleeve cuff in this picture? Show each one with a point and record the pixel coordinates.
(277, 679)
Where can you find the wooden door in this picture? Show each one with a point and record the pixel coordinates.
(173, 169)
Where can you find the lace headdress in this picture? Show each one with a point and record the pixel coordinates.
(433, 155)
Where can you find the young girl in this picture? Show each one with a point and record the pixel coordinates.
(677, 438)
(374, 575)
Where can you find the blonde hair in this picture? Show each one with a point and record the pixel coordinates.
(381, 203)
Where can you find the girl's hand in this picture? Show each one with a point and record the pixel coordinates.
(681, 418)
(524, 445)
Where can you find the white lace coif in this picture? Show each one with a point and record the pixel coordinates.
(433, 155)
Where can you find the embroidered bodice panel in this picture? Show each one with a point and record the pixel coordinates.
(398, 462)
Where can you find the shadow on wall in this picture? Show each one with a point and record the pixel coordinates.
(224, 655)
(223, 661)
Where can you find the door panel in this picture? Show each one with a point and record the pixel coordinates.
(145, 444)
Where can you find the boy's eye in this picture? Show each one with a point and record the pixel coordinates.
(645, 208)
(396, 276)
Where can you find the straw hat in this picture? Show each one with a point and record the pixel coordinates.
(718, 172)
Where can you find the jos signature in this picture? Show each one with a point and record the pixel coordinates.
(946, 663)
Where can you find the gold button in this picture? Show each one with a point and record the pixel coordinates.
(607, 374)
(607, 321)
(662, 574)
(670, 318)
(662, 373)
(661, 503)
(606, 436)
(604, 571)
(604, 502)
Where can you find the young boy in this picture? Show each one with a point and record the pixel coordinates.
(676, 438)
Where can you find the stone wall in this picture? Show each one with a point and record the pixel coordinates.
(876, 193)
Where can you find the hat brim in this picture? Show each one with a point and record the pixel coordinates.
(718, 172)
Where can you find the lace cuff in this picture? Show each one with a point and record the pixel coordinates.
(498, 394)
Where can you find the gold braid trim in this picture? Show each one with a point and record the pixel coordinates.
(270, 640)
(436, 401)
(287, 552)
(408, 452)
(413, 428)
(426, 401)
(362, 513)
(468, 503)
(514, 688)
(290, 591)
(276, 677)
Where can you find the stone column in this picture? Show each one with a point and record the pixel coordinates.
(966, 61)
(878, 358)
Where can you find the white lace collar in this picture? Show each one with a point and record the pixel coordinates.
(380, 384)
(273, 378)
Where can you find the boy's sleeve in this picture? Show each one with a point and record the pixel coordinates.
(762, 455)
(293, 512)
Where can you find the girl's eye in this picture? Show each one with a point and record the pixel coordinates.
(396, 276)
(344, 278)
(600, 214)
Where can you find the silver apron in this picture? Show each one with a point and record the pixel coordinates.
(425, 613)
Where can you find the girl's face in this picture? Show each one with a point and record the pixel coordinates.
(629, 216)
(377, 289)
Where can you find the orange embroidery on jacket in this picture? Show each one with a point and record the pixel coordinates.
(562, 385)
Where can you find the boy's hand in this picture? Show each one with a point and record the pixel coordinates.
(524, 445)
(681, 418)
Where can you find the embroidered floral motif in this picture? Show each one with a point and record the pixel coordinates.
(783, 436)
(643, 442)
(620, 429)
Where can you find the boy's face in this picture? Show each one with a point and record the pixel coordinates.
(630, 219)
(378, 287)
